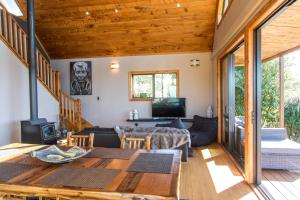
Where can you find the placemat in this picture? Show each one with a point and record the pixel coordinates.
(12, 170)
(72, 176)
(152, 163)
(110, 153)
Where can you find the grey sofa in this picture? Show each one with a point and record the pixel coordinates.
(108, 137)
(277, 151)
(203, 131)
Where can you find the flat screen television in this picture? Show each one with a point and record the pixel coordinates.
(168, 107)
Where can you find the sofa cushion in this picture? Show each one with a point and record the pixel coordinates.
(273, 134)
(283, 147)
(200, 138)
(203, 123)
(98, 130)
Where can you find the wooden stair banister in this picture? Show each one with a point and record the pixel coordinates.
(13, 35)
(15, 38)
(70, 112)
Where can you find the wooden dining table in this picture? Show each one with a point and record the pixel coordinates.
(126, 185)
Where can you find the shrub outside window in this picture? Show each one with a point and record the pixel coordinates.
(145, 85)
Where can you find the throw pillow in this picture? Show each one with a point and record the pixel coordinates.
(177, 123)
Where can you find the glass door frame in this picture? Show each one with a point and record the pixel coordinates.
(248, 35)
(229, 109)
(257, 83)
(230, 73)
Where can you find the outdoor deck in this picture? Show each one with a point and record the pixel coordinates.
(282, 184)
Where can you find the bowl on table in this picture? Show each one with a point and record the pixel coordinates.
(55, 155)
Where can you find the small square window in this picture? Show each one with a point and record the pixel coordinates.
(156, 84)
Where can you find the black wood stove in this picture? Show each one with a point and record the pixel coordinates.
(35, 130)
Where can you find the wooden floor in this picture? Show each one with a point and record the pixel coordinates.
(210, 175)
(282, 184)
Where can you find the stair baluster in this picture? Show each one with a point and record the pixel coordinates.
(12, 34)
(70, 112)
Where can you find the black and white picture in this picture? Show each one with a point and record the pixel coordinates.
(81, 78)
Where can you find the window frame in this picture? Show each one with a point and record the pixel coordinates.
(222, 11)
(130, 82)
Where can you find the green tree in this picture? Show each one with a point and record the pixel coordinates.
(292, 118)
(239, 91)
(270, 94)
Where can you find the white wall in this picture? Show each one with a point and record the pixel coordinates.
(112, 86)
(14, 101)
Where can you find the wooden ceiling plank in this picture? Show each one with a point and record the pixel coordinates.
(139, 28)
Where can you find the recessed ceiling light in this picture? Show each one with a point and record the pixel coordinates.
(116, 10)
(146, 8)
(87, 13)
(178, 5)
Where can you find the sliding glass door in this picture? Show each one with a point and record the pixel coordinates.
(233, 84)
(277, 103)
(225, 102)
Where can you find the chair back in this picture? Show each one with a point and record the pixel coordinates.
(80, 140)
(135, 143)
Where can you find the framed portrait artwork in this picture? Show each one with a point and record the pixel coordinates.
(81, 78)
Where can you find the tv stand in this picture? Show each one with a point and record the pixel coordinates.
(159, 119)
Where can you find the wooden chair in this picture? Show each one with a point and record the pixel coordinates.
(80, 140)
(135, 143)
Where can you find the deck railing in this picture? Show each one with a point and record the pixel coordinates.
(16, 39)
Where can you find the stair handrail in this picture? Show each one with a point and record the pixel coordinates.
(13, 35)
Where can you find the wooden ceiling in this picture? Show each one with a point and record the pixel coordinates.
(278, 37)
(283, 33)
(138, 28)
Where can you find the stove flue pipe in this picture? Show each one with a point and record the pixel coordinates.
(32, 61)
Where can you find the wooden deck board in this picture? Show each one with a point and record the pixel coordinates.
(282, 184)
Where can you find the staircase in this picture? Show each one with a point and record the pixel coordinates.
(70, 113)
(12, 34)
